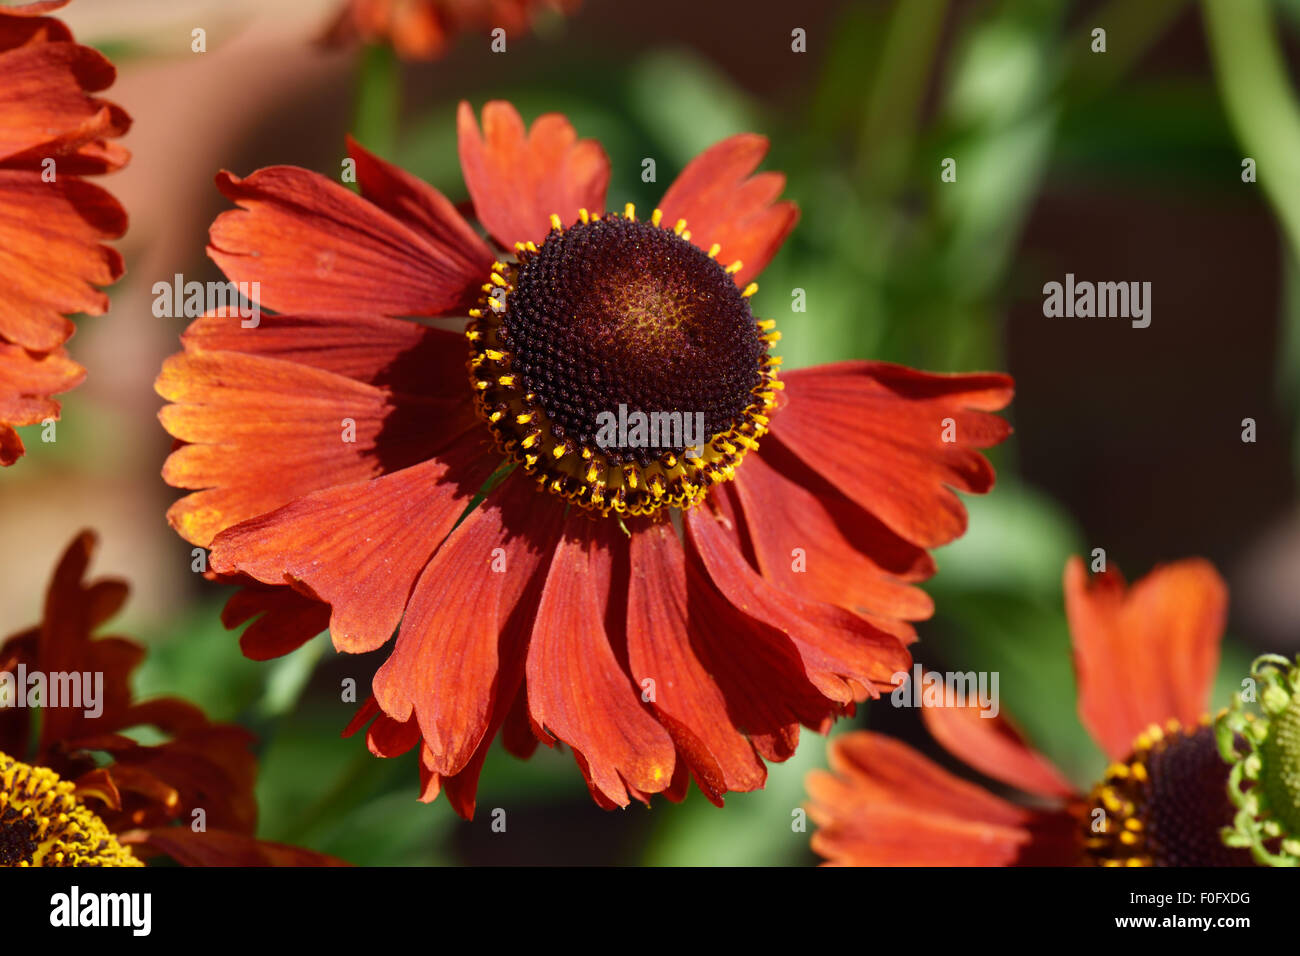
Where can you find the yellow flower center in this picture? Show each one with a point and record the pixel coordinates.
(43, 824)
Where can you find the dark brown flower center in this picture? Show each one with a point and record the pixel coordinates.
(619, 314)
(619, 363)
(1166, 805)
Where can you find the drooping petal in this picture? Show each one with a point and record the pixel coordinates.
(360, 547)
(577, 688)
(810, 539)
(316, 247)
(687, 698)
(283, 619)
(723, 203)
(265, 431)
(995, 748)
(460, 653)
(518, 177)
(887, 805)
(209, 768)
(846, 657)
(1146, 654)
(897, 441)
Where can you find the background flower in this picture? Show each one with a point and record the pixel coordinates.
(422, 29)
(1145, 658)
(188, 795)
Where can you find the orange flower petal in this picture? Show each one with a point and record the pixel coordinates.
(236, 408)
(877, 431)
(577, 689)
(45, 95)
(888, 805)
(519, 177)
(51, 257)
(460, 652)
(394, 354)
(26, 383)
(837, 646)
(996, 749)
(847, 556)
(285, 619)
(663, 625)
(317, 247)
(722, 203)
(1145, 655)
(360, 547)
(423, 208)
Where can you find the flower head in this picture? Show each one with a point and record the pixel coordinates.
(423, 29)
(1145, 658)
(668, 610)
(83, 788)
(53, 133)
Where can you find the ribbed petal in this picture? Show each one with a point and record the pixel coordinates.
(846, 657)
(51, 256)
(577, 688)
(877, 432)
(812, 540)
(663, 626)
(265, 431)
(459, 656)
(317, 247)
(360, 547)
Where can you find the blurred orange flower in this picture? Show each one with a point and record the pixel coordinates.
(84, 762)
(666, 613)
(1145, 659)
(423, 29)
(53, 133)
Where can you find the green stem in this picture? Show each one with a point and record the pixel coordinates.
(378, 100)
(1259, 101)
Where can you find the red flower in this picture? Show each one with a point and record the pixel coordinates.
(660, 618)
(143, 791)
(53, 133)
(1145, 658)
(423, 29)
